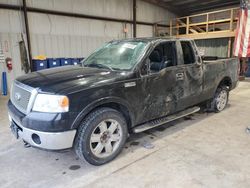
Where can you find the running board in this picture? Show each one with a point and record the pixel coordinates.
(158, 122)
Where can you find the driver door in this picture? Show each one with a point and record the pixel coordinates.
(159, 82)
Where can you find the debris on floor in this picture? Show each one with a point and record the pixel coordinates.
(148, 145)
(134, 143)
(248, 130)
(74, 167)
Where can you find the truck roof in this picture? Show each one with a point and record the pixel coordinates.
(151, 39)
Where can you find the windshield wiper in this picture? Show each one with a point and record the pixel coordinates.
(99, 66)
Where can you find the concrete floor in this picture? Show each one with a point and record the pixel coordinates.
(206, 150)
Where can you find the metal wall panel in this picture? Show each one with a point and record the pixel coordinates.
(10, 2)
(70, 35)
(144, 31)
(151, 13)
(108, 8)
(214, 47)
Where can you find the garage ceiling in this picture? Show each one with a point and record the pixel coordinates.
(188, 7)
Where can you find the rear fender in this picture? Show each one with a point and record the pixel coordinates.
(227, 81)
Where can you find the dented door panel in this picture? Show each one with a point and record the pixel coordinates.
(159, 93)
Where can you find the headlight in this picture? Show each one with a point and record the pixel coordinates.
(51, 103)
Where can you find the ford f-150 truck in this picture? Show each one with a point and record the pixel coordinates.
(126, 86)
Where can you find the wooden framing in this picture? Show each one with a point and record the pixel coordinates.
(210, 35)
(215, 24)
(229, 47)
(209, 25)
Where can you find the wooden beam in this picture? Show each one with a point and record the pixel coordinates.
(207, 23)
(171, 28)
(209, 35)
(187, 28)
(184, 25)
(231, 19)
(219, 21)
(229, 47)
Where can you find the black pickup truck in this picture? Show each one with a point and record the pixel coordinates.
(125, 86)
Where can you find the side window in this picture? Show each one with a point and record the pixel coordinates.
(162, 56)
(169, 54)
(188, 54)
(156, 59)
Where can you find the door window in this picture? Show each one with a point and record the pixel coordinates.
(188, 54)
(162, 56)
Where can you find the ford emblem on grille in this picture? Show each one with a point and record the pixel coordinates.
(17, 96)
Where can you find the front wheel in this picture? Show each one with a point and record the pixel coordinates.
(220, 99)
(101, 136)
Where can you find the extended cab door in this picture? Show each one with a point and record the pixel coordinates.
(159, 81)
(189, 75)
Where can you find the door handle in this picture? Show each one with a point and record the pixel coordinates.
(180, 76)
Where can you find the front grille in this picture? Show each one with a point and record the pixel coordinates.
(20, 96)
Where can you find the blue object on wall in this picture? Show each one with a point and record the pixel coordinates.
(53, 62)
(4, 84)
(65, 61)
(39, 64)
(75, 61)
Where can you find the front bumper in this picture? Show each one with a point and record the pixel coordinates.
(44, 140)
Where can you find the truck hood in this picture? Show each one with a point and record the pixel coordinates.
(69, 79)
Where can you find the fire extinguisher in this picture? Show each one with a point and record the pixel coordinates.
(8, 61)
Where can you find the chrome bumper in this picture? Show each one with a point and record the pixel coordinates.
(45, 140)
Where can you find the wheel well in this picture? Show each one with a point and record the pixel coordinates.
(120, 108)
(226, 82)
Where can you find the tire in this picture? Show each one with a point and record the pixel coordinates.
(101, 136)
(220, 99)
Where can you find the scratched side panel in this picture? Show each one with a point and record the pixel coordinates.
(159, 94)
(232, 69)
(189, 88)
(215, 71)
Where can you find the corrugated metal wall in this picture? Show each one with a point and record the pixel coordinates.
(59, 36)
(214, 47)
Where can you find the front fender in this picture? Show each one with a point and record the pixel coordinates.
(86, 110)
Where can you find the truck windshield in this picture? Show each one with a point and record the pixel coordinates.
(118, 55)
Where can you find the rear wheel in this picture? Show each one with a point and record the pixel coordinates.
(220, 99)
(101, 136)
